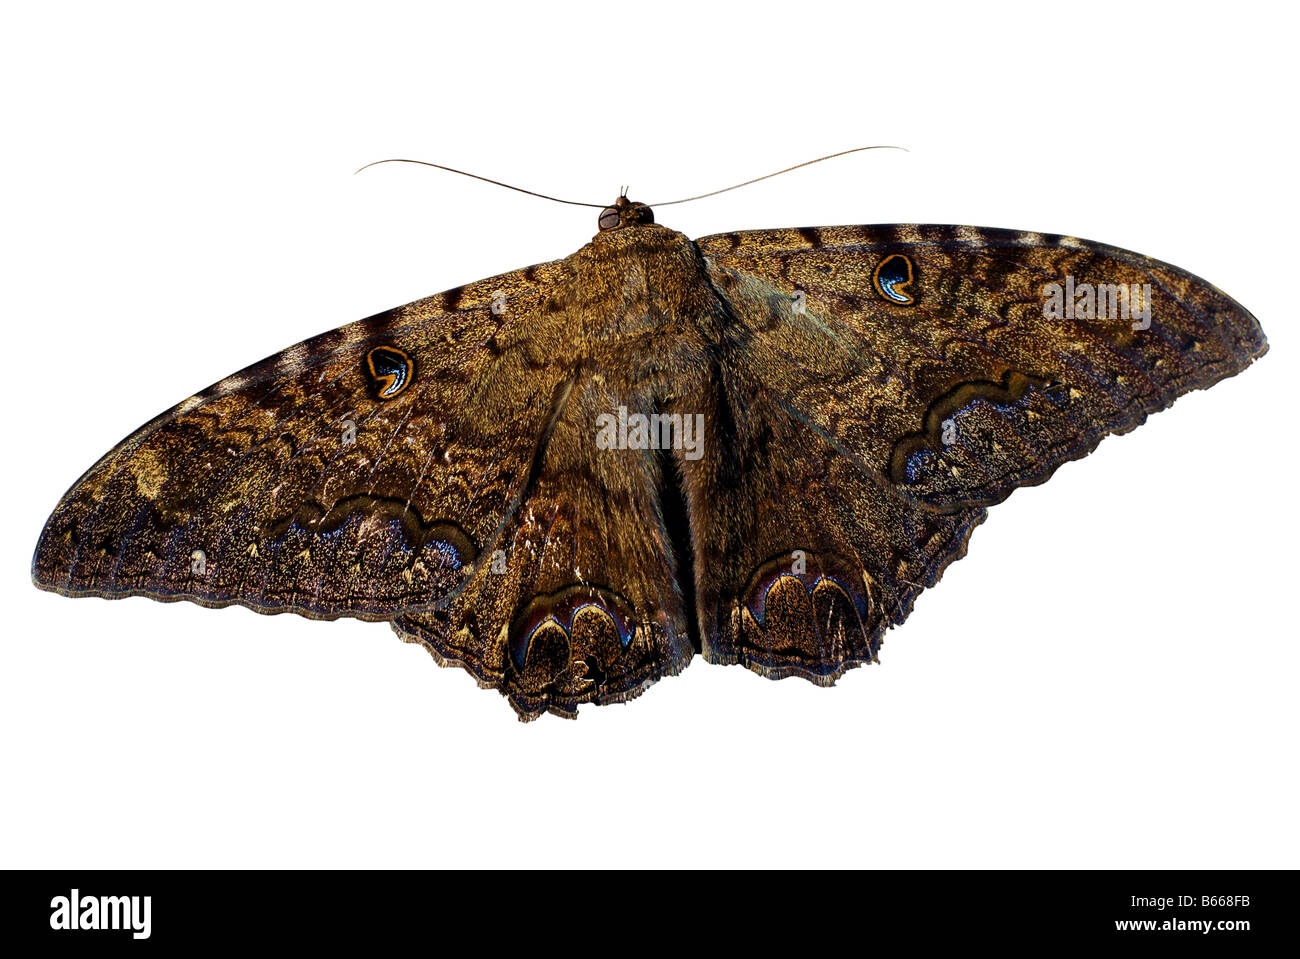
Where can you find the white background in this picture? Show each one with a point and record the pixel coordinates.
(1107, 680)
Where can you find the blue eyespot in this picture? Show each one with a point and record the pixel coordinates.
(391, 369)
(892, 277)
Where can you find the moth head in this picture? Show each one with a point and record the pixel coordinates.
(624, 212)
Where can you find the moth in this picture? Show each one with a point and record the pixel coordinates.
(571, 479)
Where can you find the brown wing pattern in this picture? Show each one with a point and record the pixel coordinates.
(435, 466)
(863, 394)
(580, 602)
(803, 557)
(295, 486)
(887, 383)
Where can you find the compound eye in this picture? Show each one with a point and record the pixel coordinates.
(609, 218)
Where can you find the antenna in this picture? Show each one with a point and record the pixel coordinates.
(601, 206)
(797, 166)
(519, 189)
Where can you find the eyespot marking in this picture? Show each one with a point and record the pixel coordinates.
(892, 277)
(391, 369)
(590, 619)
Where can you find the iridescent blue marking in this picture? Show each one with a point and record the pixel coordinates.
(893, 273)
(519, 649)
(389, 365)
(447, 551)
(859, 602)
(1009, 406)
(921, 461)
(622, 639)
